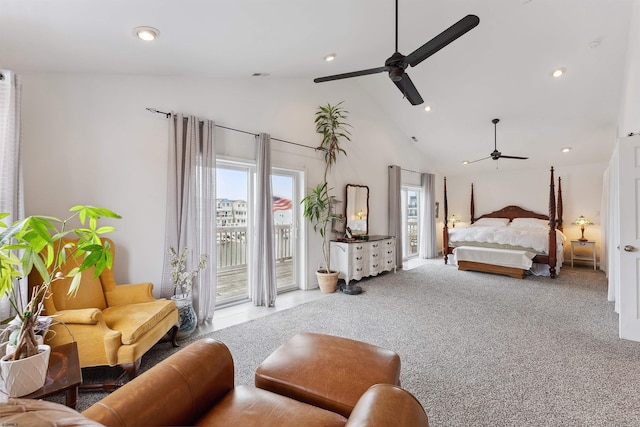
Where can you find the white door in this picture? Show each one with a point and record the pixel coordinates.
(629, 149)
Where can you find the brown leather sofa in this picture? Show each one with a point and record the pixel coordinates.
(195, 386)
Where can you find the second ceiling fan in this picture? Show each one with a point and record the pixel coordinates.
(495, 154)
(397, 63)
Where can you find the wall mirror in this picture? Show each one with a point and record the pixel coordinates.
(357, 209)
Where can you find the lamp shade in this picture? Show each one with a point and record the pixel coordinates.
(582, 221)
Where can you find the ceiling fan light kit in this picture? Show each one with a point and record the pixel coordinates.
(396, 64)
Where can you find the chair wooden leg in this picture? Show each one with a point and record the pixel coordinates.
(108, 386)
(174, 336)
(132, 368)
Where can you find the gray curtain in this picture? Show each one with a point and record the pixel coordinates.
(263, 286)
(428, 241)
(11, 183)
(191, 204)
(395, 210)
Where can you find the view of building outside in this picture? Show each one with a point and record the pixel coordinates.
(412, 212)
(233, 213)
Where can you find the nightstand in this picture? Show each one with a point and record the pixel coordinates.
(588, 245)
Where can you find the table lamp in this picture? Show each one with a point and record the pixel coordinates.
(582, 221)
(453, 220)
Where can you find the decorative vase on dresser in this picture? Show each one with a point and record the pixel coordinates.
(186, 316)
(358, 258)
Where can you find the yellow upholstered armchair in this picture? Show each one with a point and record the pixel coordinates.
(112, 324)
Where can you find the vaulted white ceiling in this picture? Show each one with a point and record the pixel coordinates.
(500, 69)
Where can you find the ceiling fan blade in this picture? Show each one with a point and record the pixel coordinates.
(474, 161)
(513, 157)
(409, 90)
(352, 74)
(441, 40)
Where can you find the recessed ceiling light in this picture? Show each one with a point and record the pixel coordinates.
(330, 57)
(146, 33)
(558, 72)
(466, 162)
(566, 149)
(427, 108)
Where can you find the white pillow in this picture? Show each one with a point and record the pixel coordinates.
(492, 222)
(530, 223)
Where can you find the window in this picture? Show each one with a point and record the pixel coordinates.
(410, 216)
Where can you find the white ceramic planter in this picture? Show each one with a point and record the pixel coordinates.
(24, 376)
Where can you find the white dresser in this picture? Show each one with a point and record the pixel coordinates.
(360, 258)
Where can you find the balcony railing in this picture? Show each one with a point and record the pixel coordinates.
(232, 246)
(412, 240)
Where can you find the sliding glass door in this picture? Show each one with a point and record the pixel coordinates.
(410, 214)
(285, 213)
(235, 197)
(234, 184)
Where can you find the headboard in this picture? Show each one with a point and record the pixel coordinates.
(512, 212)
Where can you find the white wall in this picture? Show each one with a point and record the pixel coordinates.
(529, 189)
(89, 140)
(630, 106)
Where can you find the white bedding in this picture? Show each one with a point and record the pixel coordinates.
(502, 257)
(514, 237)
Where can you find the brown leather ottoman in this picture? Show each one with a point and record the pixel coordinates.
(327, 371)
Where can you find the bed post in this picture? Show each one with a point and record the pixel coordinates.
(552, 227)
(559, 222)
(445, 229)
(473, 206)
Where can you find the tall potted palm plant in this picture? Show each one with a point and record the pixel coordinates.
(331, 122)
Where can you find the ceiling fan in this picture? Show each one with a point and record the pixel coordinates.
(495, 155)
(397, 63)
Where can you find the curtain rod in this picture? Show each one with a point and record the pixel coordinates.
(153, 110)
(409, 170)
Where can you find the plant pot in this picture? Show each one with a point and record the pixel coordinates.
(24, 376)
(186, 316)
(327, 281)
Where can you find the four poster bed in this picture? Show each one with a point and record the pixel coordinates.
(509, 241)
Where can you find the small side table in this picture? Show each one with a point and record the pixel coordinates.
(590, 245)
(64, 374)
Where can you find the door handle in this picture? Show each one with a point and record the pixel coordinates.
(629, 248)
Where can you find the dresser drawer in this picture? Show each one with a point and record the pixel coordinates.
(358, 259)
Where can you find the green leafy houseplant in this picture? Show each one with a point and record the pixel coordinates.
(37, 242)
(317, 208)
(330, 121)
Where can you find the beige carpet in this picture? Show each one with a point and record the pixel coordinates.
(476, 349)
